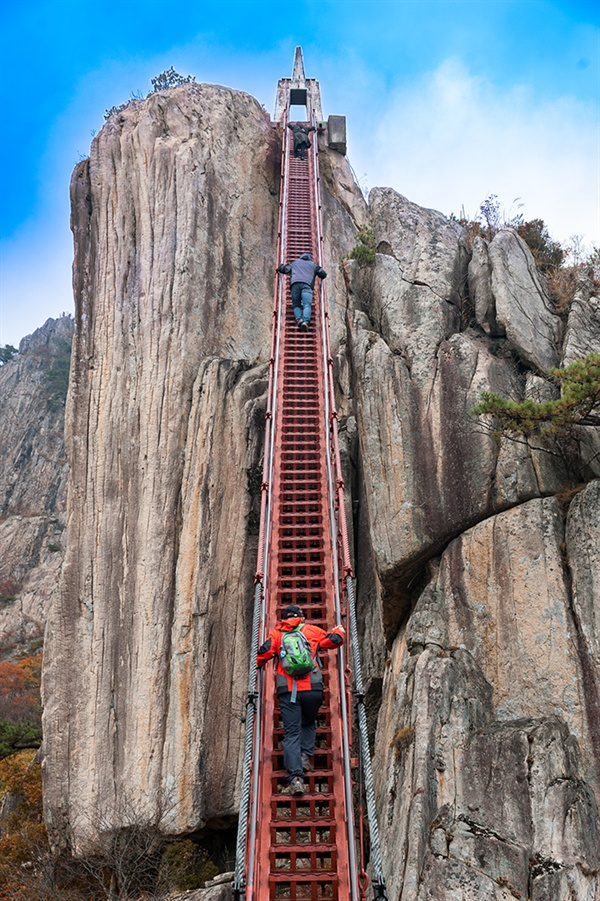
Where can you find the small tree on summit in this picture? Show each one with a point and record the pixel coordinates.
(169, 79)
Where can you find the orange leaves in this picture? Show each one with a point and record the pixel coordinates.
(23, 838)
(20, 690)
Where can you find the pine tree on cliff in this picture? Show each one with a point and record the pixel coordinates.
(578, 405)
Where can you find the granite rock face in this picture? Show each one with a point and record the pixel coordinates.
(33, 481)
(470, 570)
(430, 470)
(174, 220)
(510, 299)
(583, 325)
(476, 562)
(486, 712)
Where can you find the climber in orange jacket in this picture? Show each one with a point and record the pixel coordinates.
(300, 696)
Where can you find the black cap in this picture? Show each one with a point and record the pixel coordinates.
(291, 611)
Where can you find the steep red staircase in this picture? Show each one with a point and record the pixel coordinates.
(302, 847)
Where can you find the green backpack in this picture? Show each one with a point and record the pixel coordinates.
(295, 654)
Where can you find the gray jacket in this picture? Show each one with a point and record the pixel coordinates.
(302, 270)
(301, 133)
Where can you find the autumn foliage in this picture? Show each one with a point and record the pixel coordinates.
(23, 839)
(20, 690)
(20, 707)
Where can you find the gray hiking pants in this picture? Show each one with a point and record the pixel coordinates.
(299, 728)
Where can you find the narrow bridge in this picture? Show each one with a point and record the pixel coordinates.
(307, 846)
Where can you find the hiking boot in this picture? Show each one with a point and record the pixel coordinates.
(295, 787)
(306, 764)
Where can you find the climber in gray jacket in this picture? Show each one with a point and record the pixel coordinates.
(301, 139)
(302, 272)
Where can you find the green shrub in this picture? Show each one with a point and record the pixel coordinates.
(185, 866)
(7, 352)
(364, 251)
(167, 79)
(18, 737)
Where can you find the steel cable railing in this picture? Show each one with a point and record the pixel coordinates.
(350, 827)
(379, 890)
(250, 762)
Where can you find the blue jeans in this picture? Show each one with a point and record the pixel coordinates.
(302, 296)
(299, 727)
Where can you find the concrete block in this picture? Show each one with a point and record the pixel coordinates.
(336, 133)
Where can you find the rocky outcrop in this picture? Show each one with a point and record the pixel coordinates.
(486, 750)
(33, 481)
(510, 299)
(429, 468)
(481, 776)
(476, 561)
(173, 281)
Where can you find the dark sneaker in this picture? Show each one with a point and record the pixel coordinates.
(306, 764)
(295, 787)
(303, 325)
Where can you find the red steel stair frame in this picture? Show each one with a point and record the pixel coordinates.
(302, 846)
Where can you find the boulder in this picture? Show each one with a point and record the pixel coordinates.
(583, 325)
(523, 310)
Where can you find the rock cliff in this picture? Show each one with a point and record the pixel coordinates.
(33, 482)
(477, 563)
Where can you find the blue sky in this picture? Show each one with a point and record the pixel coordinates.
(446, 102)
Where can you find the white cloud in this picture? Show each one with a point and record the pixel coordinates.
(451, 138)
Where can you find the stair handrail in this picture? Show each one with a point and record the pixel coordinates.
(328, 395)
(246, 837)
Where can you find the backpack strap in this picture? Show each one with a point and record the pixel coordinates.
(316, 661)
(294, 695)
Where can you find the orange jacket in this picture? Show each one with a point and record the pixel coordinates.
(318, 639)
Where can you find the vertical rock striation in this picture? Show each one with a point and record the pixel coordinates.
(174, 218)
